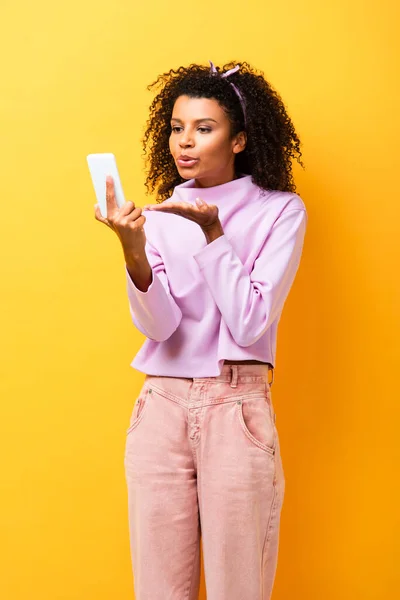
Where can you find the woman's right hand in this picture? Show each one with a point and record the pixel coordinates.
(127, 222)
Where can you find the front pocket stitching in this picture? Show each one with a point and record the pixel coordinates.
(140, 417)
(267, 449)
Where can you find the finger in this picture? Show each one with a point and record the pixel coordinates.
(134, 213)
(127, 208)
(97, 213)
(140, 221)
(111, 202)
(170, 209)
(183, 208)
(99, 216)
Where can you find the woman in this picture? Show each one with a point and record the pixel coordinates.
(208, 270)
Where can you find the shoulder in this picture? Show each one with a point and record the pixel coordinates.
(282, 201)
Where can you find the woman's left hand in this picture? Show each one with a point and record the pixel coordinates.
(205, 215)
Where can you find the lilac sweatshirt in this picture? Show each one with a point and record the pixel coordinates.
(222, 300)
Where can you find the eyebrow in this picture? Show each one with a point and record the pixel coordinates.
(196, 121)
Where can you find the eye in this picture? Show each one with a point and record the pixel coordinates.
(200, 128)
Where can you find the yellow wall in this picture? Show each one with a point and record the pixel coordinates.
(73, 81)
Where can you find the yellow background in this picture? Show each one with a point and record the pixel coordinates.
(73, 81)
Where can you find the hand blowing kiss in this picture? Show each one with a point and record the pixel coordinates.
(205, 215)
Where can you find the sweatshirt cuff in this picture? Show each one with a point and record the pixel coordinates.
(154, 312)
(136, 290)
(212, 251)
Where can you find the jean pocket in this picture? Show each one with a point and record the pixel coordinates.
(139, 409)
(256, 418)
(268, 394)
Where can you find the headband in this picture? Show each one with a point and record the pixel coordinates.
(226, 74)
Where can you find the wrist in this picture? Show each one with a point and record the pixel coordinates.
(134, 258)
(213, 231)
(139, 270)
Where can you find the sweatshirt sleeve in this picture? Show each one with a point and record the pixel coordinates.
(249, 303)
(154, 312)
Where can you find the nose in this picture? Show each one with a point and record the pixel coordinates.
(185, 140)
(184, 144)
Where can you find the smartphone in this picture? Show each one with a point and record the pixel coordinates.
(101, 165)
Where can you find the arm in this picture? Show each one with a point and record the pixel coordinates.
(154, 311)
(249, 303)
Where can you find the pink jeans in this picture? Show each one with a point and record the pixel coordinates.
(202, 458)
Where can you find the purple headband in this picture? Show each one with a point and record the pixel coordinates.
(226, 74)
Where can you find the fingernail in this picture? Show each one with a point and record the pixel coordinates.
(199, 201)
(109, 179)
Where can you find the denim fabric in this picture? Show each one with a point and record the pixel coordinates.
(202, 458)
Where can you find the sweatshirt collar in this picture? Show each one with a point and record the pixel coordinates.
(219, 195)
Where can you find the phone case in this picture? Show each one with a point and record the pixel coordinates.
(101, 165)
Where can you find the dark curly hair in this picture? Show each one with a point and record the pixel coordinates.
(271, 137)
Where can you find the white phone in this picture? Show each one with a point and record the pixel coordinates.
(101, 165)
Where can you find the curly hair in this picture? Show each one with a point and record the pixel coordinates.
(271, 137)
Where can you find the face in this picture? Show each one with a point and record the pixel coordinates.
(201, 129)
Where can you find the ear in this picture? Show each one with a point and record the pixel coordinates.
(239, 143)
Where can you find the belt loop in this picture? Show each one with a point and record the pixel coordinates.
(234, 375)
(272, 380)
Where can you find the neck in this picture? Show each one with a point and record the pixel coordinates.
(212, 182)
